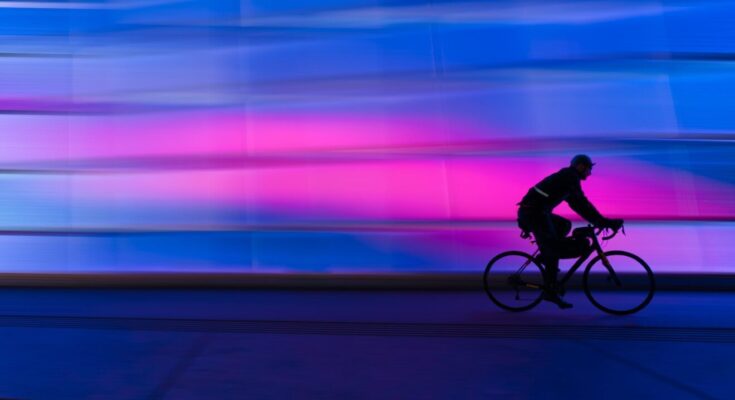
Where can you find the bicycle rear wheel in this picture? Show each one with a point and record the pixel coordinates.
(624, 288)
(514, 281)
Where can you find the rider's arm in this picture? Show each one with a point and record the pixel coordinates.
(581, 205)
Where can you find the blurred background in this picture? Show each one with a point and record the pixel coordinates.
(356, 135)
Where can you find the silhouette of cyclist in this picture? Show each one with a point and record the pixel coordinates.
(550, 230)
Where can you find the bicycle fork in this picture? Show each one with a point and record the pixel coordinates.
(612, 276)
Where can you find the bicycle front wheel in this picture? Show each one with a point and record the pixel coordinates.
(514, 281)
(624, 286)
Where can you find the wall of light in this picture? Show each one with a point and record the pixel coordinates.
(359, 135)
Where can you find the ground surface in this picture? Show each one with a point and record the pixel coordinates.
(192, 344)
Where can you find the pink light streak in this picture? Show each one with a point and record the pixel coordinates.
(211, 133)
(416, 189)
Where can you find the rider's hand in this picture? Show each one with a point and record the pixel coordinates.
(613, 224)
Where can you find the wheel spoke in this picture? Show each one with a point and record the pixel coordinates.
(509, 278)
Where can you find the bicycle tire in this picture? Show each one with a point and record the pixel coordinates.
(489, 289)
(648, 283)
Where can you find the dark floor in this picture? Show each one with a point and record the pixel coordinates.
(198, 344)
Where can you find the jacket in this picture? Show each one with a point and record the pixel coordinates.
(563, 185)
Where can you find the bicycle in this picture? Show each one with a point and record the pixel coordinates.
(521, 276)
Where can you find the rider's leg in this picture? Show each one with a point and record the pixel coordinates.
(547, 240)
(549, 244)
(562, 226)
(552, 273)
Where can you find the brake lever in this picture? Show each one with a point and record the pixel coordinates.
(615, 232)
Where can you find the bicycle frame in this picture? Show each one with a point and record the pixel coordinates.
(534, 286)
(596, 247)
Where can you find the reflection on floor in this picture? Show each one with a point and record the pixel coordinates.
(191, 344)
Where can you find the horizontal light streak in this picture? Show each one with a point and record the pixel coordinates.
(559, 12)
(426, 226)
(84, 5)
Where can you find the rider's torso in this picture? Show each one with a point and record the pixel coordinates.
(552, 190)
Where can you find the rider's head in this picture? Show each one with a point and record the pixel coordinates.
(583, 164)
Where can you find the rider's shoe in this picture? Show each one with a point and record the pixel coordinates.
(554, 298)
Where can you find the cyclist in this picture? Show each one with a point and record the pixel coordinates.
(550, 230)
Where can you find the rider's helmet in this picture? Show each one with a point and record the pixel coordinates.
(582, 159)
